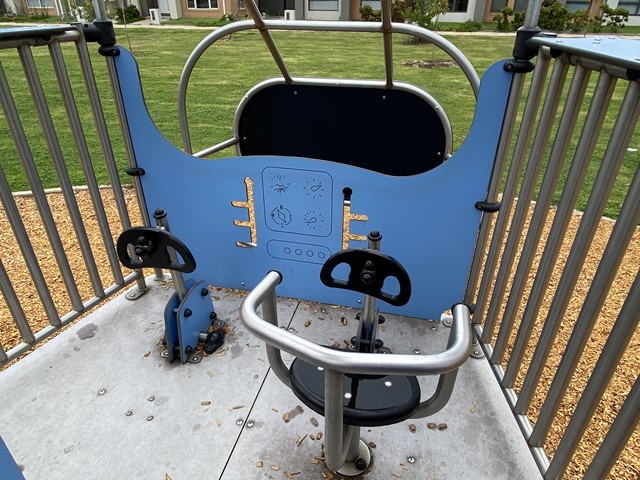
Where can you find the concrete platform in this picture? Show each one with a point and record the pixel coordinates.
(98, 402)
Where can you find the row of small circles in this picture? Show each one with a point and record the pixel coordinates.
(298, 251)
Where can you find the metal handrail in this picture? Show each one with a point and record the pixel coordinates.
(346, 362)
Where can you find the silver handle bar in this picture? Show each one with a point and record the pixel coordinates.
(268, 331)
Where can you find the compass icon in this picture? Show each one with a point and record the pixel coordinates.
(281, 216)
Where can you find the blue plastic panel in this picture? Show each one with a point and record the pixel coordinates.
(8, 468)
(428, 221)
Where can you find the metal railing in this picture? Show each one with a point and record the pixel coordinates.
(73, 248)
(534, 323)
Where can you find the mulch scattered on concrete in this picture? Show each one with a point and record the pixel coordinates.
(627, 467)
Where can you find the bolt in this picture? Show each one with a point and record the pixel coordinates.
(239, 422)
(416, 351)
(129, 413)
(387, 383)
(434, 328)
(361, 464)
(250, 424)
(213, 316)
(476, 352)
(151, 399)
(102, 391)
(204, 292)
(149, 418)
(411, 459)
(188, 350)
(187, 312)
(347, 395)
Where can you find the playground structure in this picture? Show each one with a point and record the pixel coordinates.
(294, 212)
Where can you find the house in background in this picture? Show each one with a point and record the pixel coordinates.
(459, 10)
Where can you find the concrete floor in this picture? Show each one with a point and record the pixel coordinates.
(98, 402)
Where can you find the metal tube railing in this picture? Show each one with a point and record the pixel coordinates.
(617, 342)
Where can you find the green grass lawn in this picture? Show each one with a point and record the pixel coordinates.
(225, 73)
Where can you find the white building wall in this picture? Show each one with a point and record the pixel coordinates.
(634, 20)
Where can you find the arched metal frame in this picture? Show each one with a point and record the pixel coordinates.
(386, 28)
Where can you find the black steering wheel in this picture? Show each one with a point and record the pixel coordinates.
(154, 248)
(369, 270)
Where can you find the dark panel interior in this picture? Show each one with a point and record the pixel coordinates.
(389, 131)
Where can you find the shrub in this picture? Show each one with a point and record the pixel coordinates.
(128, 14)
(553, 16)
(578, 21)
(614, 17)
(469, 26)
(368, 14)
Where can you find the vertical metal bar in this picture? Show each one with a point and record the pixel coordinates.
(103, 133)
(131, 157)
(614, 153)
(22, 145)
(333, 421)
(48, 129)
(621, 429)
(268, 39)
(17, 226)
(15, 308)
(495, 182)
(99, 9)
(270, 314)
(85, 160)
(533, 13)
(612, 352)
(387, 38)
(178, 279)
(517, 163)
(584, 152)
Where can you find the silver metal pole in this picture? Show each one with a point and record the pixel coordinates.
(178, 279)
(85, 161)
(270, 314)
(614, 153)
(267, 38)
(618, 339)
(387, 38)
(15, 308)
(53, 144)
(335, 453)
(533, 13)
(99, 9)
(549, 111)
(544, 200)
(621, 430)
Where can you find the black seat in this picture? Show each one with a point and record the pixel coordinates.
(370, 400)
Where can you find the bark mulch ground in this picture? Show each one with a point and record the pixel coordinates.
(627, 467)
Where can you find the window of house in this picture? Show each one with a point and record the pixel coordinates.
(458, 5)
(202, 4)
(632, 5)
(497, 5)
(520, 5)
(39, 3)
(324, 5)
(573, 5)
(240, 4)
(374, 4)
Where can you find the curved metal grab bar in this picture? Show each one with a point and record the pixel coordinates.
(346, 362)
(350, 26)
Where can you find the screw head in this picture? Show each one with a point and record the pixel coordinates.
(204, 292)
(250, 424)
(411, 459)
(347, 395)
(129, 413)
(361, 464)
(149, 418)
(151, 399)
(102, 391)
(187, 312)
(239, 422)
(416, 351)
